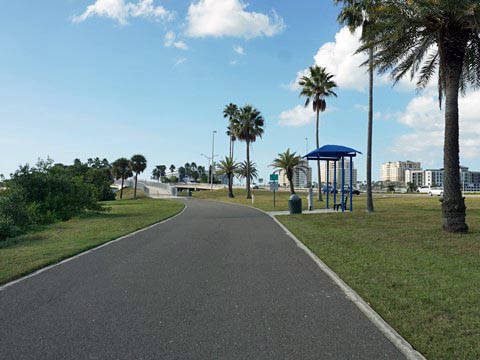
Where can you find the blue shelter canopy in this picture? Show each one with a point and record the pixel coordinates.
(331, 152)
(335, 153)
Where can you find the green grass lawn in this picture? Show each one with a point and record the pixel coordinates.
(263, 198)
(422, 281)
(62, 240)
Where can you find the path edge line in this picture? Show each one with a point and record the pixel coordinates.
(390, 333)
(46, 268)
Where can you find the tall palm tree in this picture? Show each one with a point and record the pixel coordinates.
(121, 170)
(247, 170)
(172, 168)
(138, 164)
(355, 14)
(156, 174)
(231, 112)
(422, 36)
(248, 127)
(162, 169)
(228, 167)
(316, 87)
(289, 162)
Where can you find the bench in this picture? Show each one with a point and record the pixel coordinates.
(338, 206)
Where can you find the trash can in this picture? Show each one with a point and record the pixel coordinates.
(295, 204)
(189, 193)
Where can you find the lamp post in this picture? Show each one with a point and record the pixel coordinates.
(213, 160)
(306, 146)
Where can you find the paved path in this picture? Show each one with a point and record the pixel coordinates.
(218, 282)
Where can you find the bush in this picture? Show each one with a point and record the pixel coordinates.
(13, 213)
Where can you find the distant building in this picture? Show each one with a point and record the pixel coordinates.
(323, 170)
(302, 177)
(395, 171)
(469, 180)
(414, 176)
(433, 177)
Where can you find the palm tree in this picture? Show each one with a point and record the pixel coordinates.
(248, 126)
(231, 112)
(316, 88)
(121, 170)
(356, 13)
(228, 167)
(420, 37)
(138, 164)
(289, 162)
(172, 168)
(156, 174)
(244, 169)
(162, 170)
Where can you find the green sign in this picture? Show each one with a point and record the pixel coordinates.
(273, 177)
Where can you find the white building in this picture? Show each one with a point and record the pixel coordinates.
(395, 171)
(323, 170)
(433, 177)
(414, 176)
(302, 176)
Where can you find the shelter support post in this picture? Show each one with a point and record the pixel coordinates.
(343, 183)
(327, 179)
(351, 182)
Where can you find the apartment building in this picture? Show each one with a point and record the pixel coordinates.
(395, 171)
(323, 171)
(414, 176)
(302, 177)
(433, 177)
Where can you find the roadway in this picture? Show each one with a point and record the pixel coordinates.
(219, 281)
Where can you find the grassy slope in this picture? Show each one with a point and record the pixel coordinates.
(424, 282)
(61, 240)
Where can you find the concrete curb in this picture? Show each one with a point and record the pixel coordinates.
(395, 338)
(39, 271)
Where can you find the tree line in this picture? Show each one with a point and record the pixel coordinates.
(49, 192)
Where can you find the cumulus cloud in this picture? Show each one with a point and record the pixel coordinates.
(339, 58)
(298, 116)
(426, 122)
(121, 11)
(239, 50)
(170, 40)
(219, 18)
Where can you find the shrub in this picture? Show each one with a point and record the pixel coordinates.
(13, 213)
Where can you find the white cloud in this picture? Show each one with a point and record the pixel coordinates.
(239, 50)
(298, 116)
(233, 62)
(121, 11)
(180, 61)
(170, 40)
(219, 18)
(426, 121)
(340, 60)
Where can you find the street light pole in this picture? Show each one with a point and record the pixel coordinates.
(306, 149)
(213, 161)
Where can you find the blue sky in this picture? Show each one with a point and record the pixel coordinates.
(112, 78)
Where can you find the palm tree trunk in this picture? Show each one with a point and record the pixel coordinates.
(249, 193)
(135, 189)
(369, 135)
(290, 180)
(231, 143)
(230, 187)
(233, 147)
(453, 204)
(319, 196)
(121, 189)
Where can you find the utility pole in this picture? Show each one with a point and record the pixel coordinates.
(213, 160)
